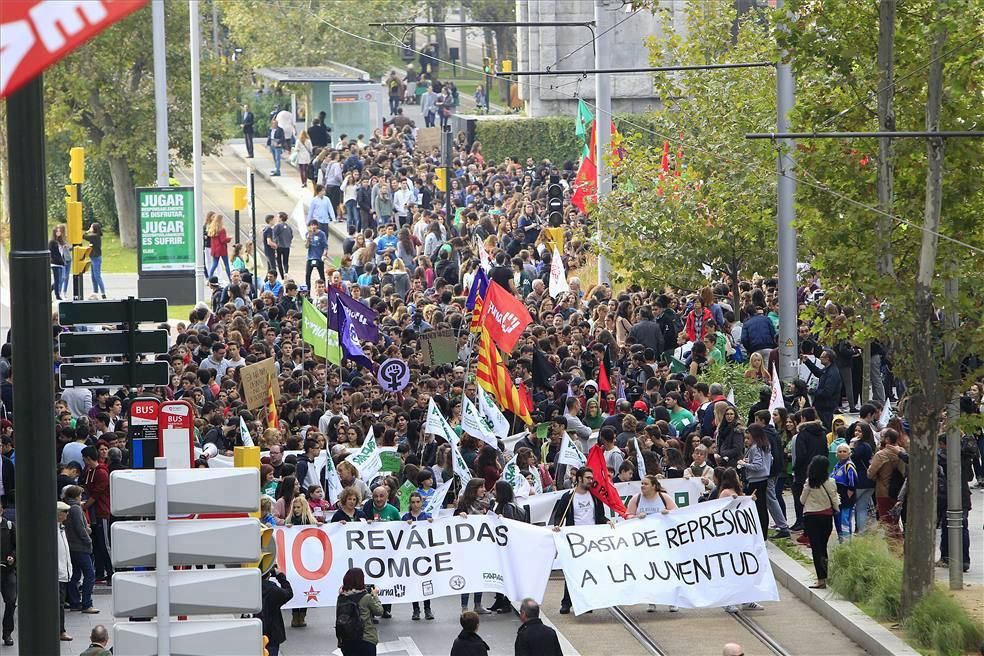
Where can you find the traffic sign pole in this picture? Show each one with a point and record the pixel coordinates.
(162, 564)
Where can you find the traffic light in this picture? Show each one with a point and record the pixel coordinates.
(77, 165)
(441, 178)
(239, 198)
(555, 202)
(71, 192)
(266, 641)
(487, 65)
(81, 258)
(73, 219)
(268, 551)
(506, 66)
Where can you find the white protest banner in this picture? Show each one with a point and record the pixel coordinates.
(331, 475)
(509, 443)
(472, 424)
(705, 556)
(436, 502)
(570, 454)
(436, 424)
(496, 421)
(640, 461)
(367, 460)
(685, 492)
(776, 400)
(244, 432)
(512, 475)
(459, 466)
(418, 561)
(558, 277)
(885, 416)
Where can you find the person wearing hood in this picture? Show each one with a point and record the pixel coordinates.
(811, 441)
(593, 416)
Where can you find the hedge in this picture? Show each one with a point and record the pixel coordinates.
(550, 137)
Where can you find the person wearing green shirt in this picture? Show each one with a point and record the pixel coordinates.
(378, 509)
(680, 417)
(713, 352)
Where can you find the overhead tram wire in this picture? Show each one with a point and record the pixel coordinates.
(588, 43)
(642, 128)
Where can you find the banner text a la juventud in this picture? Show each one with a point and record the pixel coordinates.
(708, 555)
(414, 562)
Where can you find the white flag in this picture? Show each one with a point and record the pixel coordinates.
(512, 475)
(472, 423)
(776, 400)
(331, 475)
(885, 415)
(570, 454)
(640, 461)
(367, 460)
(558, 277)
(496, 421)
(436, 502)
(460, 467)
(244, 432)
(483, 256)
(731, 396)
(437, 425)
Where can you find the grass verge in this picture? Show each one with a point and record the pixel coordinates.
(788, 547)
(867, 570)
(179, 312)
(116, 258)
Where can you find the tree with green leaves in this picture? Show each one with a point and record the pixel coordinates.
(706, 204)
(102, 97)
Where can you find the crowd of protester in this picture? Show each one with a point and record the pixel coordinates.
(637, 370)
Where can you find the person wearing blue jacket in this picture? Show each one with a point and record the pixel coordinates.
(827, 396)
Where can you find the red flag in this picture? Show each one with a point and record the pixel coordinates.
(603, 488)
(524, 392)
(37, 34)
(504, 316)
(585, 185)
(604, 385)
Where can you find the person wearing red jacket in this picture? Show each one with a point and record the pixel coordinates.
(95, 480)
(697, 318)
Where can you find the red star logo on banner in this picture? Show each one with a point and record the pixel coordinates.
(312, 594)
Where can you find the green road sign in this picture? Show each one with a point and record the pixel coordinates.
(116, 342)
(166, 224)
(113, 374)
(103, 312)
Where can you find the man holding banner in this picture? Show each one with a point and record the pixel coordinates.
(578, 507)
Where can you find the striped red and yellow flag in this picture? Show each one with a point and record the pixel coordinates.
(476, 324)
(493, 376)
(273, 418)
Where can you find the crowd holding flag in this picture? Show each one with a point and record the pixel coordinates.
(504, 316)
(480, 286)
(493, 376)
(603, 488)
(273, 418)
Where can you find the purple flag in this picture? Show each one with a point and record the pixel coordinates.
(480, 285)
(362, 317)
(348, 337)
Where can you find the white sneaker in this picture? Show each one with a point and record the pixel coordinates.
(731, 609)
(651, 609)
(752, 605)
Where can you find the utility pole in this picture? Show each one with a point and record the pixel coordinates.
(886, 123)
(954, 470)
(30, 305)
(160, 93)
(786, 214)
(195, 38)
(603, 127)
(215, 28)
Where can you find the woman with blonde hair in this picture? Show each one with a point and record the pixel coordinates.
(756, 369)
(304, 156)
(218, 244)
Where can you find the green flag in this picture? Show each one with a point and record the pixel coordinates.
(403, 494)
(676, 366)
(584, 118)
(314, 331)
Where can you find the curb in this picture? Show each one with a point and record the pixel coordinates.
(845, 616)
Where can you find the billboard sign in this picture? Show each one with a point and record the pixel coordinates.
(166, 221)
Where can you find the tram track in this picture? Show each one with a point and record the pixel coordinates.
(654, 648)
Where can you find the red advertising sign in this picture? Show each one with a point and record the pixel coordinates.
(143, 433)
(34, 34)
(177, 434)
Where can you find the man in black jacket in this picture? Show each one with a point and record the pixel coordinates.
(274, 597)
(534, 638)
(669, 324)
(247, 126)
(648, 332)
(577, 507)
(827, 396)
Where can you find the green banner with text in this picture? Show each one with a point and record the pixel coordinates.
(166, 220)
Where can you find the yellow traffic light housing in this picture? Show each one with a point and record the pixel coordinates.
(266, 641)
(506, 66)
(71, 192)
(77, 165)
(268, 551)
(239, 200)
(441, 178)
(81, 259)
(73, 219)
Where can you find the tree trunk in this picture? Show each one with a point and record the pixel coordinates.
(927, 402)
(886, 123)
(126, 201)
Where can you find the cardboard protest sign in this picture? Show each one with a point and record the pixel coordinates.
(416, 562)
(438, 347)
(254, 378)
(708, 555)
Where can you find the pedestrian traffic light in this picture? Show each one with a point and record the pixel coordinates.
(81, 259)
(73, 219)
(441, 178)
(555, 202)
(71, 192)
(487, 65)
(239, 198)
(77, 165)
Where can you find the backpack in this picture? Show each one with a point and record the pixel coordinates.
(348, 618)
